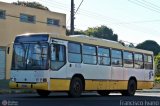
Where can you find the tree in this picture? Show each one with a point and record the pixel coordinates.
(149, 45)
(102, 32)
(99, 32)
(31, 4)
(157, 64)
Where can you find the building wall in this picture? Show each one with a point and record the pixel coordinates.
(12, 26)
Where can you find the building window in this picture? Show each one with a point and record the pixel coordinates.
(128, 59)
(74, 53)
(103, 56)
(89, 54)
(148, 62)
(2, 14)
(138, 61)
(116, 57)
(27, 18)
(52, 21)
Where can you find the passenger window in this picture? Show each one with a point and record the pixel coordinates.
(128, 59)
(138, 61)
(74, 53)
(148, 62)
(89, 54)
(104, 56)
(116, 57)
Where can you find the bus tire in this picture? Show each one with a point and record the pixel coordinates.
(103, 92)
(76, 87)
(132, 87)
(43, 93)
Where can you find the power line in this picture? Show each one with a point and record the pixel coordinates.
(100, 16)
(144, 5)
(151, 4)
(78, 7)
(104, 18)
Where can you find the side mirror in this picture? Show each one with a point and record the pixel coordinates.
(8, 50)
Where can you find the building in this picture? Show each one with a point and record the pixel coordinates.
(16, 20)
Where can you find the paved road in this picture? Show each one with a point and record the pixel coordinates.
(87, 99)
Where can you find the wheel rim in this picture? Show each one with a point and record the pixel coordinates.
(132, 88)
(76, 87)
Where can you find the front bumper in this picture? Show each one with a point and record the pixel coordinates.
(41, 85)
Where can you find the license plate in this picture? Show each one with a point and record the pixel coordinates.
(24, 86)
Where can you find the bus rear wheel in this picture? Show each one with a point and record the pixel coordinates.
(76, 87)
(43, 93)
(132, 87)
(103, 92)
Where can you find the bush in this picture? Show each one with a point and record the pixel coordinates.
(157, 79)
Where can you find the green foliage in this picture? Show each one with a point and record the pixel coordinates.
(157, 79)
(157, 59)
(31, 4)
(102, 32)
(149, 45)
(157, 65)
(99, 32)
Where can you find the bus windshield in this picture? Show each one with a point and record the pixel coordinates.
(30, 56)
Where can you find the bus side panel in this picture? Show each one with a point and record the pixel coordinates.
(142, 77)
(137, 73)
(59, 84)
(105, 85)
(117, 73)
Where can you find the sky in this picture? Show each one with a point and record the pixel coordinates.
(133, 20)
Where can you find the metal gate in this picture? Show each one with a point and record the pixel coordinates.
(2, 63)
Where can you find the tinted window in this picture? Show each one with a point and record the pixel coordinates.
(30, 56)
(37, 56)
(116, 57)
(138, 61)
(58, 58)
(103, 56)
(27, 18)
(2, 14)
(116, 54)
(32, 38)
(74, 52)
(89, 54)
(128, 59)
(148, 62)
(91, 50)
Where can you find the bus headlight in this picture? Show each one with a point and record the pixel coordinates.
(13, 79)
(44, 79)
(41, 79)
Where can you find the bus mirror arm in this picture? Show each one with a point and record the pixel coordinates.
(8, 49)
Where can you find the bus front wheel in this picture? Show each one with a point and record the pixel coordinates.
(103, 92)
(132, 87)
(43, 93)
(76, 87)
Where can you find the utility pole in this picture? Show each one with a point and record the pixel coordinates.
(72, 18)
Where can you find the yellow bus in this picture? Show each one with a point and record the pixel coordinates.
(73, 64)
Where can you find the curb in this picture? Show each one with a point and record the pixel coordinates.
(149, 91)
